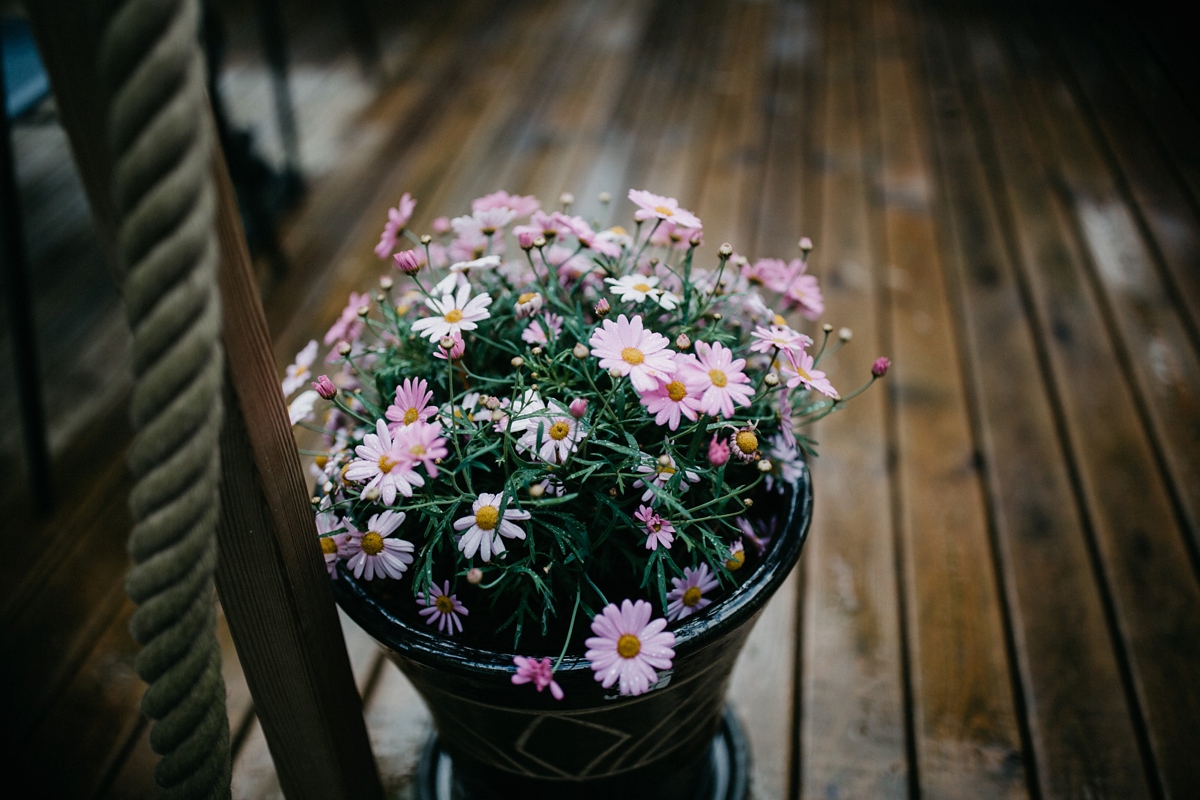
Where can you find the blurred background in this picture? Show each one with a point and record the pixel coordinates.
(999, 597)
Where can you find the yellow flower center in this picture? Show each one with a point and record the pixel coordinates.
(691, 596)
(487, 517)
(372, 543)
(321, 461)
(386, 464)
(477, 252)
(779, 320)
(736, 560)
(488, 230)
(641, 287)
(444, 603)
(559, 431)
(631, 355)
(525, 298)
(453, 315)
(417, 450)
(718, 378)
(628, 646)
(666, 212)
(746, 441)
(668, 470)
(803, 373)
(676, 391)
(328, 545)
(411, 416)
(618, 229)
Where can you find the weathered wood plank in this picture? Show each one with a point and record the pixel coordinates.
(1077, 719)
(1138, 536)
(964, 721)
(852, 730)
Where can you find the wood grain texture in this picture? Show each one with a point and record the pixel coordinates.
(1078, 720)
(853, 726)
(1138, 536)
(965, 727)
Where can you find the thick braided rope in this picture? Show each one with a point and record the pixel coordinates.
(161, 142)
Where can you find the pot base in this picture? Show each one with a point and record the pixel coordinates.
(729, 762)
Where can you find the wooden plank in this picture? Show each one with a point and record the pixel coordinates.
(1140, 543)
(963, 717)
(1156, 352)
(852, 730)
(1077, 720)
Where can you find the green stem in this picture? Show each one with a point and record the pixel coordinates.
(570, 630)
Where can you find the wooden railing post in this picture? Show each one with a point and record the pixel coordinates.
(270, 575)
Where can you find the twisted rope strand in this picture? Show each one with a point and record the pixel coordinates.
(160, 136)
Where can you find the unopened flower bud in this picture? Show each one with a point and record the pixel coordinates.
(407, 262)
(385, 283)
(806, 245)
(441, 225)
(845, 334)
(578, 407)
(537, 351)
(316, 501)
(827, 328)
(605, 198)
(697, 239)
(426, 238)
(682, 341)
(580, 350)
(371, 494)
(726, 250)
(603, 307)
(517, 362)
(344, 348)
(771, 379)
(614, 373)
(881, 366)
(748, 503)
(325, 387)
(566, 198)
(653, 261)
(740, 260)
(764, 465)
(492, 403)
(525, 240)
(536, 490)
(718, 451)
(539, 242)
(527, 305)
(474, 576)
(446, 343)
(664, 460)
(364, 310)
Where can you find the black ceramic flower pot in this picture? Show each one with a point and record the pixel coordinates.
(512, 741)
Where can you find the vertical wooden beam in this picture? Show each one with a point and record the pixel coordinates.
(271, 578)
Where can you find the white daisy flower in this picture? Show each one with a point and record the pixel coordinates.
(373, 553)
(635, 288)
(659, 472)
(301, 408)
(453, 314)
(486, 528)
(298, 373)
(552, 432)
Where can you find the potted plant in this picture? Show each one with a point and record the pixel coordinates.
(560, 475)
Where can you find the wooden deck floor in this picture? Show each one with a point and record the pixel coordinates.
(1001, 593)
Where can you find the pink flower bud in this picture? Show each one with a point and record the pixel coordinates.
(325, 387)
(525, 239)
(451, 347)
(682, 341)
(806, 244)
(718, 451)
(578, 407)
(602, 308)
(441, 225)
(474, 575)
(697, 239)
(407, 262)
(880, 367)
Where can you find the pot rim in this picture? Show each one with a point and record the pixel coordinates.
(446, 654)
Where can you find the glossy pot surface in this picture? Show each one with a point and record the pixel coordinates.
(512, 741)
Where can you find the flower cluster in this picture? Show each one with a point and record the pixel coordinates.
(535, 413)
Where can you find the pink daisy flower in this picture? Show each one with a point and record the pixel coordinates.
(800, 371)
(542, 329)
(800, 291)
(442, 607)
(630, 349)
(778, 336)
(785, 416)
(588, 237)
(687, 597)
(398, 217)
(658, 530)
(751, 534)
(669, 401)
(454, 314)
(539, 673)
(544, 225)
(718, 377)
(373, 553)
(486, 528)
(412, 404)
(521, 206)
(470, 244)
(651, 206)
(349, 325)
(384, 466)
(628, 647)
(786, 464)
(804, 295)
(422, 443)
(659, 474)
(333, 545)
